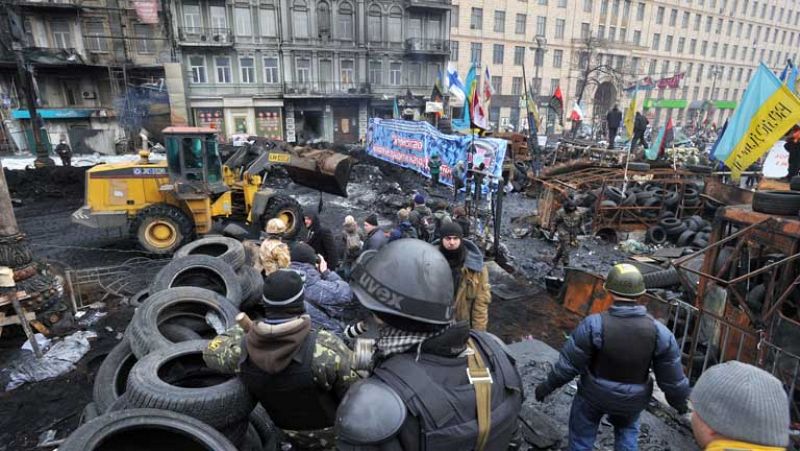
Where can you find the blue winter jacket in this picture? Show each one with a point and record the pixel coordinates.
(329, 299)
(616, 397)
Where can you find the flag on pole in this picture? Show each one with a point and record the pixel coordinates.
(557, 104)
(531, 105)
(478, 111)
(716, 143)
(469, 88)
(455, 86)
(655, 146)
(630, 115)
(396, 109)
(488, 91)
(767, 110)
(576, 114)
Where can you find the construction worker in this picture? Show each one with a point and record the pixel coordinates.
(568, 221)
(273, 253)
(740, 407)
(297, 372)
(435, 385)
(613, 353)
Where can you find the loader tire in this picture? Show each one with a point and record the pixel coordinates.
(162, 228)
(151, 429)
(661, 279)
(289, 210)
(112, 376)
(200, 271)
(164, 306)
(176, 378)
(226, 249)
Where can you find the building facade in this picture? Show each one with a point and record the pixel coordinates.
(594, 49)
(305, 70)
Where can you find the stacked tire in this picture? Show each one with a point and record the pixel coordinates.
(693, 231)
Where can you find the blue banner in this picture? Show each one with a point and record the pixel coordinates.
(410, 143)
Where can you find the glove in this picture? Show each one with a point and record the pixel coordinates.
(682, 408)
(541, 392)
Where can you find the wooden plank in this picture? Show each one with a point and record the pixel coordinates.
(14, 319)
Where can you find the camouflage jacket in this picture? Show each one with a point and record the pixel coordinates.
(331, 365)
(568, 223)
(272, 255)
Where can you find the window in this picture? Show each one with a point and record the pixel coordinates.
(578, 87)
(519, 56)
(271, 70)
(242, 22)
(585, 30)
(724, 51)
(692, 46)
(247, 69)
(612, 34)
(497, 53)
(396, 28)
(475, 51)
(266, 17)
(219, 16)
(541, 26)
(718, 29)
(656, 41)
(601, 31)
(623, 34)
(538, 57)
(519, 25)
(696, 93)
(615, 8)
(749, 31)
(395, 73)
(558, 56)
(668, 44)
(300, 19)
(652, 69)
(455, 16)
(635, 63)
(223, 65)
(583, 60)
(697, 19)
(516, 86)
(673, 17)
(640, 11)
(536, 86)
(500, 21)
(374, 24)
(660, 15)
(603, 7)
(94, 38)
(345, 21)
(685, 19)
(709, 22)
(714, 48)
(554, 82)
(62, 34)
(560, 25)
(197, 69)
(454, 51)
(704, 48)
(637, 37)
(476, 19)
(376, 73)
(730, 28)
(689, 68)
(144, 42)
(497, 84)
(562, 3)
(191, 16)
(302, 70)
(681, 44)
(587, 6)
(626, 10)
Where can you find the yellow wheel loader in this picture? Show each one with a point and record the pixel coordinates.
(167, 203)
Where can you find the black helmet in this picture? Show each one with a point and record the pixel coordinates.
(407, 278)
(569, 206)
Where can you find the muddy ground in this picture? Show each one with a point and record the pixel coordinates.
(47, 198)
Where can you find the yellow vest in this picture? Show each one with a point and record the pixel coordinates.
(733, 445)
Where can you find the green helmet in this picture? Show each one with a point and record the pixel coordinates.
(625, 280)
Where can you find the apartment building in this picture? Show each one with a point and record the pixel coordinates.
(302, 70)
(600, 47)
(97, 71)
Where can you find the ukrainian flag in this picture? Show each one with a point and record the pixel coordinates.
(767, 111)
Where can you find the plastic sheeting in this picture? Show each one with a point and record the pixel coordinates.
(59, 359)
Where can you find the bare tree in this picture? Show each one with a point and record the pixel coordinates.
(592, 69)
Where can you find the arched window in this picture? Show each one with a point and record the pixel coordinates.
(374, 28)
(324, 17)
(300, 19)
(395, 24)
(345, 21)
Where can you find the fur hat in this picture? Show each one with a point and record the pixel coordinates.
(276, 226)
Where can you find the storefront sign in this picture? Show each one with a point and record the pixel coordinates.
(269, 123)
(410, 143)
(211, 118)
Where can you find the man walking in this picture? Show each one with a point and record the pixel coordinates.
(321, 239)
(613, 119)
(639, 128)
(376, 237)
(64, 152)
(568, 222)
(613, 353)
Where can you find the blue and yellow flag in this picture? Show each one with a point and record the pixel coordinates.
(469, 87)
(767, 111)
(395, 110)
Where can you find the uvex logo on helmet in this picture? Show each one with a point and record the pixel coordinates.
(379, 291)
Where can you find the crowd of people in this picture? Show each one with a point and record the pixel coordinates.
(374, 338)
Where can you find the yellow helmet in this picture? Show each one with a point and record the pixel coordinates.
(275, 226)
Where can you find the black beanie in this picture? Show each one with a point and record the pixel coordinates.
(303, 253)
(372, 219)
(283, 291)
(450, 228)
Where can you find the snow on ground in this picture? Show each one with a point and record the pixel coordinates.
(17, 162)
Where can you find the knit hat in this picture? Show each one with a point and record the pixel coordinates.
(419, 199)
(303, 253)
(372, 219)
(742, 402)
(283, 291)
(451, 229)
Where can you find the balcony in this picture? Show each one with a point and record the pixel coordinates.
(319, 89)
(435, 46)
(54, 5)
(205, 37)
(234, 89)
(425, 4)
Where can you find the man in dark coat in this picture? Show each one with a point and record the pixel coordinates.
(376, 237)
(613, 119)
(65, 152)
(639, 127)
(321, 239)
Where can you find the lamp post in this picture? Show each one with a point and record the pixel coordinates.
(715, 72)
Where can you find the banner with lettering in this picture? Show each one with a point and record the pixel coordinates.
(410, 143)
(146, 11)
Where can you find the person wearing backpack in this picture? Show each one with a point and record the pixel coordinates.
(421, 218)
(404, 227)
(350, 244)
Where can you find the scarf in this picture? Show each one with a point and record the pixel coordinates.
(393, 341)
(456, 261)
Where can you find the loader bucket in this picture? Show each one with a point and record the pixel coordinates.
(323, 170)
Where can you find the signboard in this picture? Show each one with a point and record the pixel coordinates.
(410, 143)
(146, 11)
(269, 123)
(776, 165)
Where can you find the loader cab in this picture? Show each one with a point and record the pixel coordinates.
(193, 160)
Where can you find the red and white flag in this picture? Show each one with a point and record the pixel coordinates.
(478, 114)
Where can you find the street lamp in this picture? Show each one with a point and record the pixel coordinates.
(538, 59)
(715, 72)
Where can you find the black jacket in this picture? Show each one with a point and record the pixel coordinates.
(323, 241)
(614, 118)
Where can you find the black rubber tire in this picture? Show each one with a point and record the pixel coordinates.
(177, 218)
(137, 299)
(199, 271)
(112, 376)
(794, 183)
(669, 222)
(608, 203)
(266, 429)
(252, 283)
(656, 235)
(143, 331)
(638, 166)
(89, 413)
(177, 333)
(642, 196)
(676, 231)
(614, 193)
(666, 214)
(630, 200)
(692, 225)
(784, 203)
(120, 403)
(661, 279)
(150, 429)
(251, 440)
(226, 249)
(672, 199)
(177, 379)
(689, 193)
(685, 238)
(755, 297)
(699, 169)
(280, 204)
(699, 243)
